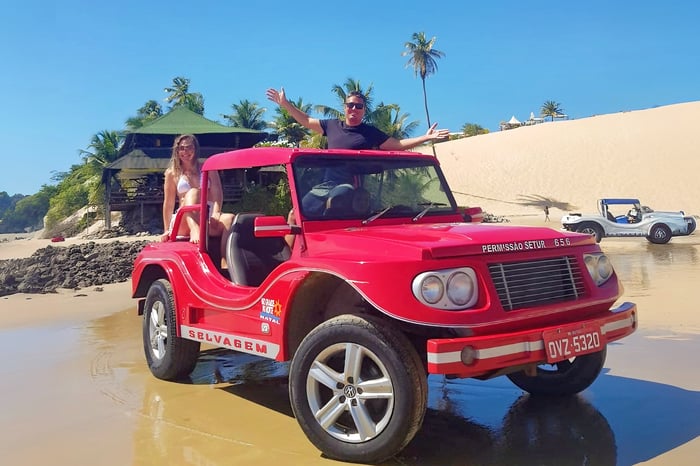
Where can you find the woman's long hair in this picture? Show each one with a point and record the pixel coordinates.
(175, 159)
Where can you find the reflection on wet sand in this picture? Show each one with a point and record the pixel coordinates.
(661, 279)
(467, 423)
(99, 396)
(533, 431)
(639, 264)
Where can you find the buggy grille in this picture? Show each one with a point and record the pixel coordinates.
(521, 285)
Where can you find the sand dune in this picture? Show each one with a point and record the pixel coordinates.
(650, 154)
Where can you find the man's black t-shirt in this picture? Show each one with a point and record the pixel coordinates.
(362, 136)
(340, 136)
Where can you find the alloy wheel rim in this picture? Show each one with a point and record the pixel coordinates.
(158, 330)
(350, 392)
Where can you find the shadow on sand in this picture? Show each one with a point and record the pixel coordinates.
(618, 421)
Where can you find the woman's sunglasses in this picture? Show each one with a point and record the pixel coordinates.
(354, 105)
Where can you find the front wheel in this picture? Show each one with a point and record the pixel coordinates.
(169, 357)
(591, 228)
(358, 389)
(566, 377)
(659, 234)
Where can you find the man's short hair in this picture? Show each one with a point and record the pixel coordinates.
(357, 94)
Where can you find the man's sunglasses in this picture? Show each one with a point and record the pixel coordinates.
(354, 105)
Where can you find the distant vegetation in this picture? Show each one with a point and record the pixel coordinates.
(472, 129)
(81, 185)
(20, 213)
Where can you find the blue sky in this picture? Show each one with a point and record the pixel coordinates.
(73, 68)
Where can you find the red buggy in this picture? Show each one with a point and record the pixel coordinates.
(385, 283)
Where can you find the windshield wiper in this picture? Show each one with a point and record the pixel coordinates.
(377, 215)
(429, 205)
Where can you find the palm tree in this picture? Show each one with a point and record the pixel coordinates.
(246, 114)
(422, 57)
(287, 127)
(102, 150)
(552, 109)
(390, 120)
(146, 114)
(341, 92)
(180, 96)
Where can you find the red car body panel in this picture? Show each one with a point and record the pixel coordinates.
(379, 260)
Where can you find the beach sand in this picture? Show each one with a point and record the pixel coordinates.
(647, 154)
(76, 380)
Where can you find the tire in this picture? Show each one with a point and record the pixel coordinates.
(169, 357)
(352, 368)
(659, 234)
(691, 225)
(591, 228)
(566, 377)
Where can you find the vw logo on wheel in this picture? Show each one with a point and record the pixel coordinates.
(349, 391)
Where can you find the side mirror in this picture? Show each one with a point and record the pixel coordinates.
(473, 215)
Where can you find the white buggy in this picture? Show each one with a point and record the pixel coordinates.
(618, 217)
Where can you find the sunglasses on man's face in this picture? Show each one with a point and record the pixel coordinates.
(358, 106)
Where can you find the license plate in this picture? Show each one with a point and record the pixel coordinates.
(568, 342)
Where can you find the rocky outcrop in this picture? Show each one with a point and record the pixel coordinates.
(73, 267)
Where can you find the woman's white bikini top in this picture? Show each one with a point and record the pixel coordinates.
(183, 184)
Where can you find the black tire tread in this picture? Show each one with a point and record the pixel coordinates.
(583, 372)
(181, 354)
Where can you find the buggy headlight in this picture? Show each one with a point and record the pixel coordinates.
(450, 289)
(431, 289)
(599, 267)
(460, 288)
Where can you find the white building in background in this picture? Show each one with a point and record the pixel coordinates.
(533, 120)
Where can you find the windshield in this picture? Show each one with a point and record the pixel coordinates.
(334, 187)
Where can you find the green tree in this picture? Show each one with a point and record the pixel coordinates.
(341, 91)
(551, 109)
(472, 129)
(28, 213)
(287, 127)
(179, 95)
(381, 116)
(386, 117)
(102, 150)
(390, 120)
(273, 199)
(144, 115)
(7, 202)
(72, 193)
(423, 59)
(246, 114)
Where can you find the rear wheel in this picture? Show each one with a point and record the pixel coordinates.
(169, 357)
(591, 228)
(659, 234)
(566, 377)
(357, 389)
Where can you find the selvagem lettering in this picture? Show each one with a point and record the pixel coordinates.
(234, 342)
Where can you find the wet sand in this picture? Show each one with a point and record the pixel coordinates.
(76, 390)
